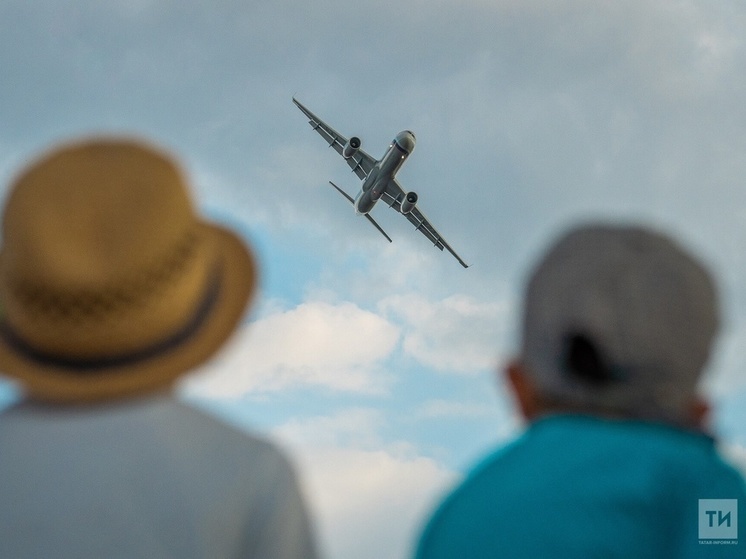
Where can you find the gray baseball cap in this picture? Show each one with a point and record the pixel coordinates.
(619, 319)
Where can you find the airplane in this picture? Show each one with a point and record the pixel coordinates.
(379, 178)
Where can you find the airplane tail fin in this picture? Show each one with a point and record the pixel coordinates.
(349, 199)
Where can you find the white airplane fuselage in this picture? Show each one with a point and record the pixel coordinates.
(384, 171)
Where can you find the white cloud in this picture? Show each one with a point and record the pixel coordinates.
(352, 427)
(735, 454)
(370, 504)
(434, 409)
(458, 333)
(725, 376)
(369, 499)
(336, 346)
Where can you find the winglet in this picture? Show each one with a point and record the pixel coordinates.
(457, 257)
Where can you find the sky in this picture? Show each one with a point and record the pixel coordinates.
(375, 365)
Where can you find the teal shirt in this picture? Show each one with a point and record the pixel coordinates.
(577, 486)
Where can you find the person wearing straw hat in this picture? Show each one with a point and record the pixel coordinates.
(111, 288)
(618, 323)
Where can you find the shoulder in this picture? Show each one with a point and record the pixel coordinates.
(564, 464)
(160, 428)
(460, 515)
(214, 440)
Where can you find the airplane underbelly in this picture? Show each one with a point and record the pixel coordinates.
(365, 202)
(369, 196)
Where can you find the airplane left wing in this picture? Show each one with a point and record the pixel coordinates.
(361, 163)
(393, 196)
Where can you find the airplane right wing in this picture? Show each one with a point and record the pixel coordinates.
(393, 198)
(361, 163)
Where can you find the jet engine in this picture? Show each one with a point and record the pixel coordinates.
(408, 203)
(351, 147)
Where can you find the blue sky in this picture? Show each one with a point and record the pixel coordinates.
(374, 363)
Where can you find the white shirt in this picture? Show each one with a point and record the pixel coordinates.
(144, 478)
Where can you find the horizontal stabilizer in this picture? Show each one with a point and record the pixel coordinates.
(343, 193)
(373, 221)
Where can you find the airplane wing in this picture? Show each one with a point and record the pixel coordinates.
(393, 196)
(361, 163)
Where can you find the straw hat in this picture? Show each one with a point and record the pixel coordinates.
(110, 284)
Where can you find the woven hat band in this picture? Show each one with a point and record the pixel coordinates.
(140, 310)
(101, 364)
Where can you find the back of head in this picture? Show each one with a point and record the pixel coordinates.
(619, 320)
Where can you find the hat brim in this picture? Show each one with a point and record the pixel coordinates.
(44, 381)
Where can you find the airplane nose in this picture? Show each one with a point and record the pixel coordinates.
(406, 140)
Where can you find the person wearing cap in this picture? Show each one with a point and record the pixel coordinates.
(111, 288)
(618, 324)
